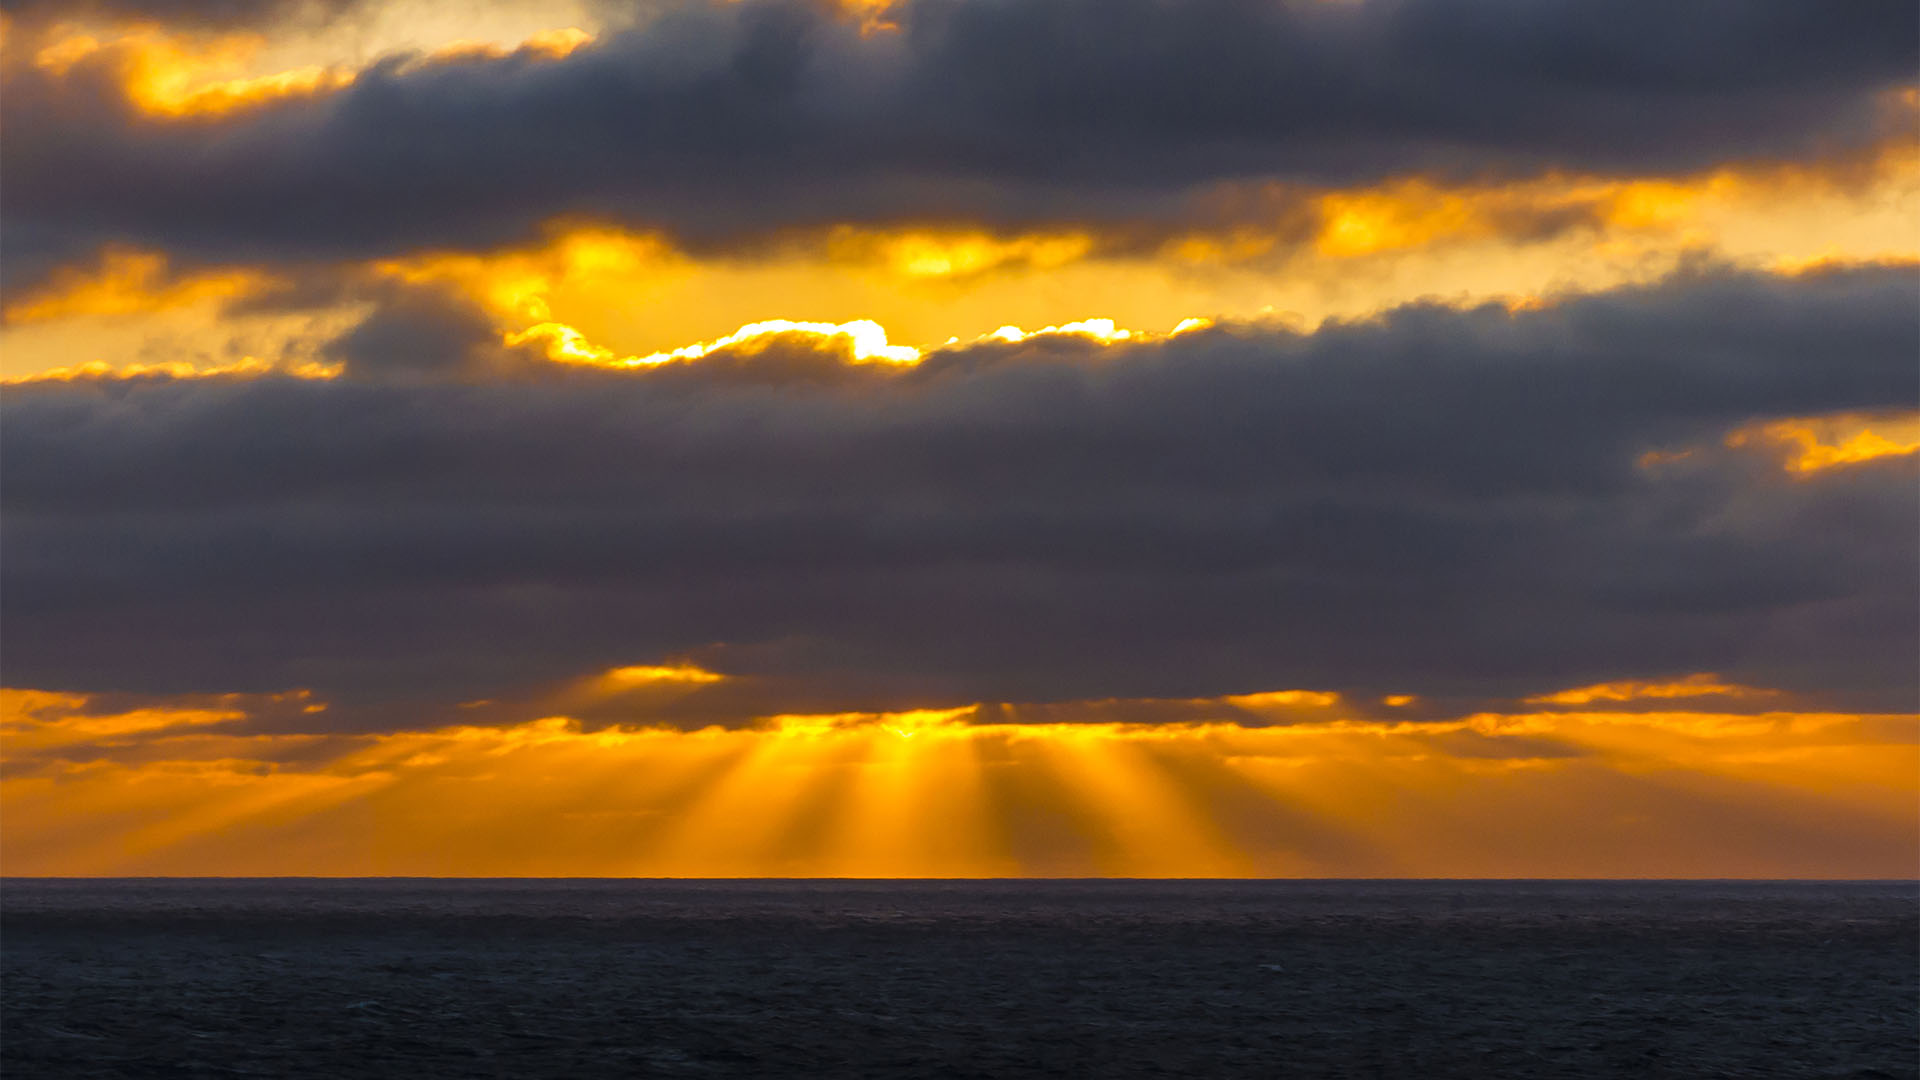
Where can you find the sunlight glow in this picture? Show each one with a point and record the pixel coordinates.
(191, 789)
(953, 254)
(1101, 330)
(865, 339)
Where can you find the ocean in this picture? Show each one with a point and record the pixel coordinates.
(1112, 979)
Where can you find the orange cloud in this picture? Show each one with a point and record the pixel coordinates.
(245, 367)
(126, 282)
(1413, 214)
(1410, 214)
(546, 44)
(179, 77)
(1697, 685)
(33, 720)
(646, 674)
(1810, 445)
(176, 77)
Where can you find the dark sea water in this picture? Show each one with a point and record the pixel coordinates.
(427, 979)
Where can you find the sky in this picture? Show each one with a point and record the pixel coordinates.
(960, 438)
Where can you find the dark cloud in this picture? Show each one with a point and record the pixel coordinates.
(1438, 502)
(719, 123)
(421, 333)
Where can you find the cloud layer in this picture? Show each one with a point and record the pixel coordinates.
(1455, 503)
(720, 124)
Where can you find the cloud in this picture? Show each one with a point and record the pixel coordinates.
(421, 332)
(184, 14)
(723, 123)
(1441, 502)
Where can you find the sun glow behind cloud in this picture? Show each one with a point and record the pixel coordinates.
(935, 793)
(614, 294)
(866, 340)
